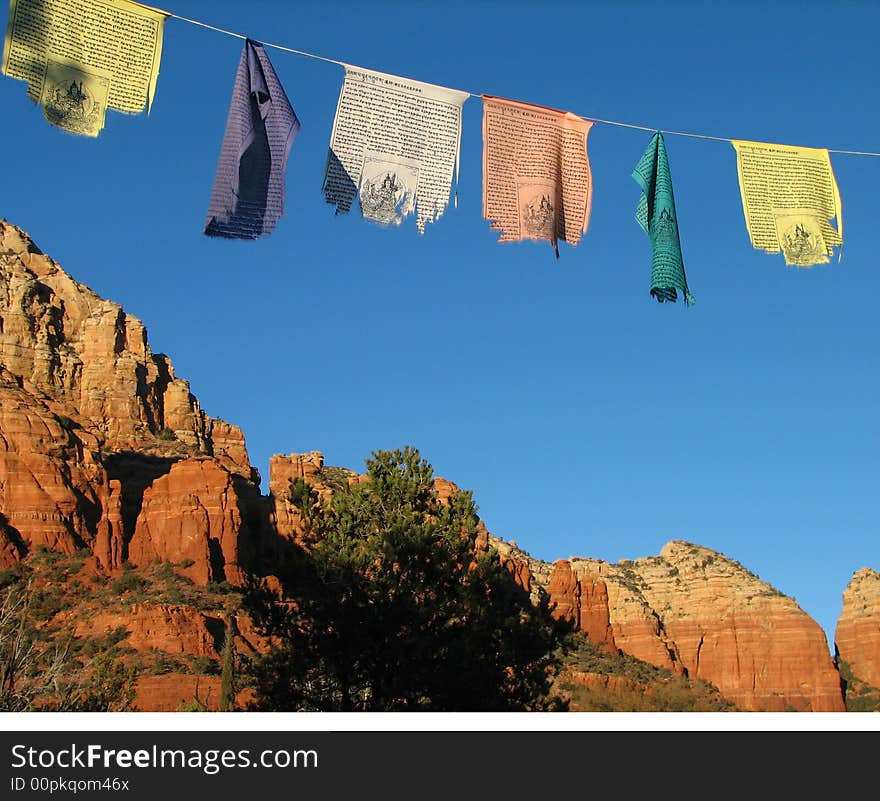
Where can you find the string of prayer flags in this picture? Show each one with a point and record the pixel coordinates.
(81, 57)
(248, 196)
(395, 147)
(789, 197)
(537, 182)
(395, 144)
(656, 214)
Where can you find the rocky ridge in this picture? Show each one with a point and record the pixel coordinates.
(103, 448)
(697, 613)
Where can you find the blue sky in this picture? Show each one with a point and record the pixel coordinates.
(587, 419)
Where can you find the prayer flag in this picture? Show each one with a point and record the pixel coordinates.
(537, 182)
(656, 214)
(789, 196)
(394, 146)
(248, 196)
(81, 57)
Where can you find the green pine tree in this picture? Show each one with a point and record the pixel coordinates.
(389, 608)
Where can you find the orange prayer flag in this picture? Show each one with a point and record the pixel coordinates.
(537, 182)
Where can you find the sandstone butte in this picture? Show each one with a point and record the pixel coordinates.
(103, 447)
(857, 638)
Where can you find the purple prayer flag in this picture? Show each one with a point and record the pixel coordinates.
(248, 195)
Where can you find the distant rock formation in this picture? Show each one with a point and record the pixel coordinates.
(857, 638)
(103, 447)
(695, 612)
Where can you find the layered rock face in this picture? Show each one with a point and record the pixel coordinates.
(582, 598)
(857, 637)
(691, 610)
(173, 629)
(194, 515)
(170, 628)
(52, 482)
(91, 419)
(86, 356)
(695, 612)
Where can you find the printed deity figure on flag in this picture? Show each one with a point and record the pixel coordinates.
(537, 182)
(394, 148)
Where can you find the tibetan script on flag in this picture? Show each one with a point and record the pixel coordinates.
(81, 57)
(789, 197)
(656, 214)
(537, 182)
(394, 147)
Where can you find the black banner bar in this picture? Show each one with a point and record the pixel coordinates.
(389, 765)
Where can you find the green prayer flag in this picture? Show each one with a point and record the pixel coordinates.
(656, 214)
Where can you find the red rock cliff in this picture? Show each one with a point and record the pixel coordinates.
(91, 419)
(692, 610)
(858, 631)
(194, 514)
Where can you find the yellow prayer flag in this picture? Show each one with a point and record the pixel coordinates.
(789, 197)
(81, 57)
